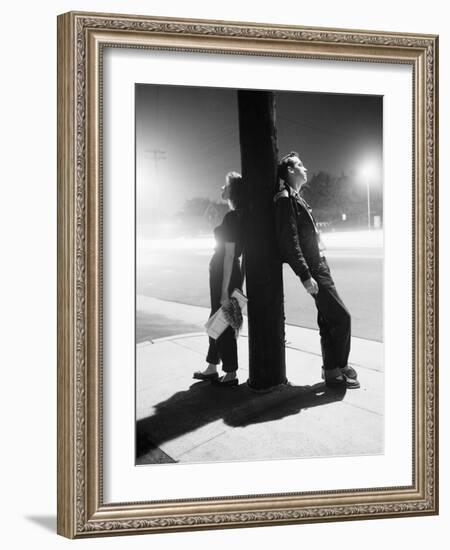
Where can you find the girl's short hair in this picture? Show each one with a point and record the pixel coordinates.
(237, 189)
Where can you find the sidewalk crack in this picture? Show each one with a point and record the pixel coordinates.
(202, 443)
(362, 408)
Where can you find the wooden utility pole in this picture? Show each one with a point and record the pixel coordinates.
(264, 274)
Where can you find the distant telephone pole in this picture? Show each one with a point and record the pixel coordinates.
(156, 155)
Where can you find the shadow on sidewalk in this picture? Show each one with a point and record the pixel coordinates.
(154, 325)
(204, 403)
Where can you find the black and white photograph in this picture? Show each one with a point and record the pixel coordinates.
(223, 240)
(259, 275)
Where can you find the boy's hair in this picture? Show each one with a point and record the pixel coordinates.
(284, 163)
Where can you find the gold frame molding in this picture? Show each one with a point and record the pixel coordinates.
(81, 37)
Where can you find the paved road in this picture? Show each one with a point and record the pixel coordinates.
(182, 276)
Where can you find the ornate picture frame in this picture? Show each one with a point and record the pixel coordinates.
(82, 38)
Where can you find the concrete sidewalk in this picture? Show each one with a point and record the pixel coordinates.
(183, 420)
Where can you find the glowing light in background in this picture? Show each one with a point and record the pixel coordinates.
(369, 171)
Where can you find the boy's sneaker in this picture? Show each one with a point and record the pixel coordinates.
(346, 377)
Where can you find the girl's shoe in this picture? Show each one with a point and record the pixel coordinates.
(230, 382)
(199, 375)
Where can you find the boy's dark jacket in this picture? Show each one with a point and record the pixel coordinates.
(297, 233)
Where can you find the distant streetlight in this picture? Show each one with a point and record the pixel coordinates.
(368, 172)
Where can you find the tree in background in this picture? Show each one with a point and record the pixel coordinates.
(200, 215)
(332, 196)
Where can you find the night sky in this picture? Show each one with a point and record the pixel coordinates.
(193, 133)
